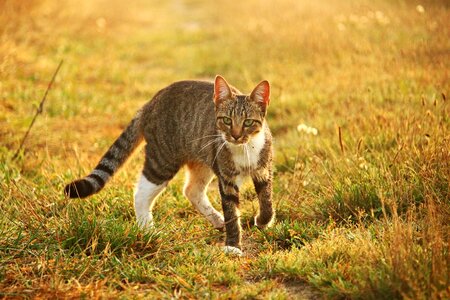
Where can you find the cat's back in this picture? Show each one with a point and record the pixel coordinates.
(181, 98)
(180, 112)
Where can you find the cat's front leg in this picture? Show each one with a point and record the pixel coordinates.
(229, 193)
(262, 181)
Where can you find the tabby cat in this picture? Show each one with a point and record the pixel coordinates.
(212, 129)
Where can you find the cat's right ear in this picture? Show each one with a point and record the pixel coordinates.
(222, 90)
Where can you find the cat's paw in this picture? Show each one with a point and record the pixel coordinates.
(261, 223)
(146, 225)
(230, 250)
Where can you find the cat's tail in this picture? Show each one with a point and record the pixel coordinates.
(111, 161)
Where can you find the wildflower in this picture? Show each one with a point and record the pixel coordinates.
(363, 164)
(381, 18)
(308, 130)
(420, 9)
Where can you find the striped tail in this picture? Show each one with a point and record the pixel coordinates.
(111, 161)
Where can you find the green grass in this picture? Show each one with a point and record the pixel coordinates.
(364, 216)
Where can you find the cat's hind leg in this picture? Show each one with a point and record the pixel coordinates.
(159, 169)
(198, 176)
(144, 199)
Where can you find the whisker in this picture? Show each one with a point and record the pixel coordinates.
(208, 143)
(247, 155)
(218, 151)
(206, 136)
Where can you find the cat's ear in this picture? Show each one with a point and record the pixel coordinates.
(261, 94)
(222, 90)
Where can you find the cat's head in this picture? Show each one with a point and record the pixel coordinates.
(240, 117)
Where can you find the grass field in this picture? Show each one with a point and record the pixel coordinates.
(363, 206)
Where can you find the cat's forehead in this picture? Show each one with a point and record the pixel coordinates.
(238, 106)
(241, 98)
(241, 105)
(236, 102)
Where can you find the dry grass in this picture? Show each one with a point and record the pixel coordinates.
(363, 205)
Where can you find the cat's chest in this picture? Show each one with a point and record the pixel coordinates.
(246, 157)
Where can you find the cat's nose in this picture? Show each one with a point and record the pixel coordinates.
(236, 132)
(236, 136)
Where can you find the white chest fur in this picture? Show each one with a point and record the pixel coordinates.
(246, 157)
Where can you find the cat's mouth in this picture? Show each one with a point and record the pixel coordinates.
(237, 142)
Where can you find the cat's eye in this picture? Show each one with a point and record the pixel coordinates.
(248, 122)
(226, 121)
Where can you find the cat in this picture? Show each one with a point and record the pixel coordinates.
(212, 129)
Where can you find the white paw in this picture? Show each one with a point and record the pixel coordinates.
(232, 250)
(145, 224)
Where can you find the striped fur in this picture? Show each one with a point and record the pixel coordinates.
(111, 161)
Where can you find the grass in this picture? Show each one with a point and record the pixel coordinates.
(361, 216)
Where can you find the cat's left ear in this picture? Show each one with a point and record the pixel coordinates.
(261, 94)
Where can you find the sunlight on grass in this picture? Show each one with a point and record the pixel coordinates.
(360, 117)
